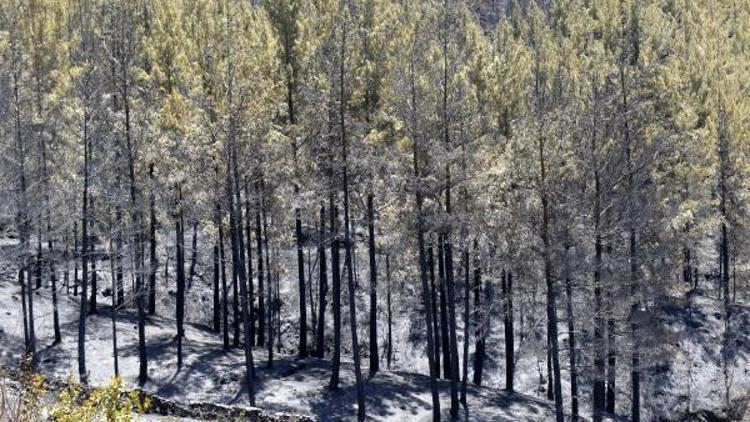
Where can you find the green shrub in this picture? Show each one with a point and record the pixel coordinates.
(107, 403)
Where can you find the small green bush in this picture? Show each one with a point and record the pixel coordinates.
(107, 403)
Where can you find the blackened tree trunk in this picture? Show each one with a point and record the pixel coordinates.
(217, 276)
(180, 264)
(611, 357)
(300, 272)
(153, 259)
(194, 256)
(723, 146)
(547, 252)
(347, 231)
(467, 324)
(444, 337)
(119, 289)
(550, 375)
(50, 244)
(66, 260)
(573, 352)
(136, 223)
(277, 296)
(290, 65)
(336, 291)
(389, 349)
(374, 353)
(552, 330)
(94, 279)
(224, 286)
(24, 308)
(261, 287)
(450, 289)
(425, 294)
(249, 259)
(322, 285)
(53, 280)
(635, 374)
(510, 364)
(447, 234)
(75, 258)
(23, 215)
(269, 289)
(115, 358)
(38, 259)
(137, 233)
(235, 228)
(83, 309)
(479, 348)
(420, 239)
(598, 393)
(635, 371)
(235, 300)
(311, 292)
(32, 324)
(433, 302)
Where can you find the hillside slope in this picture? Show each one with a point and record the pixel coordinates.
(211, 375)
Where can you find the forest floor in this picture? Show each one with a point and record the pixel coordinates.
(684, 369)
(210, 375)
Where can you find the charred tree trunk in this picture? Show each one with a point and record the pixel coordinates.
(137, 234)
(635, 374)
(82, 373)
(119, 288)
(389, 349)
(153, 259)
(421, 243)
(217, 276)
(93, 308)
(53, 280)
(573, 352)
(598, 394)
(444, 337)
(50, 244)
(425, 296)
(302, 350)
(467, 325)
(38, 259)
(180, 264)
(550, 376)
(193, 256)
(311, 293)
(23, 216)
(611, 357)
(235, 300)
(510, 364)
(270, 290)
(374, 353)
(724, 253)
(336, 292)
(433, 292)
(66, 260)
(322, 285)
(347, 230)
(545, 234)
(261, 287)
(479, 348)
(75, 258)
(235, 223)
(635, 371)
(224, 286)
(115, 358)
(249, 262)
